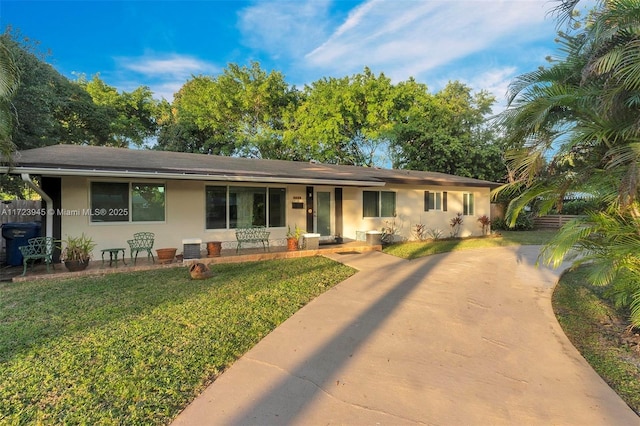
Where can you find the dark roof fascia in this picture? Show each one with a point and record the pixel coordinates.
(433, 182)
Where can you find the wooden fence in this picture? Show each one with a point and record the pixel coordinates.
(18, 211)
(555, 221)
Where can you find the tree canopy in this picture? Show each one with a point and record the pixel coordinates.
(239, 112)
(132, 115)
(50, 109)
(363, 119)
(447, 132)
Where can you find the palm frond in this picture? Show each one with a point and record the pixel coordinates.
(9, 73)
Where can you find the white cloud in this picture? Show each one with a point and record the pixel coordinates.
(496, 81)
(426, 39)
(425, 33)
(284, 28)
(168, 65)
(165, 73)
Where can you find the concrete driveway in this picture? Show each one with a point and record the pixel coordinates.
(459, 338)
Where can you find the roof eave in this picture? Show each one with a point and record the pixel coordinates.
(435, 182)
(47, 171)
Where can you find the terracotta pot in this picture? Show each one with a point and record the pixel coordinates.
(213, 248)
(292, 244)
(166, 255)
(200, 271)
(76, 265)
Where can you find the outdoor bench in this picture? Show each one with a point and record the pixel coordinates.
(252, 235)
(38, 248)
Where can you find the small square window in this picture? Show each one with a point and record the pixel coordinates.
(434, 200)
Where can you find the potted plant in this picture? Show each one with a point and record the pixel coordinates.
(293, 237)
(76, 252)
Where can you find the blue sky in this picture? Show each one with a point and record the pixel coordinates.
(160, 44)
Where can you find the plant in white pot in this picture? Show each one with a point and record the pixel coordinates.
(76, 252)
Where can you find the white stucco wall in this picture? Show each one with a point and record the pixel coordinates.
(410, 211)
(185, 214)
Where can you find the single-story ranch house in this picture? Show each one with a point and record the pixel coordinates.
(111, 193)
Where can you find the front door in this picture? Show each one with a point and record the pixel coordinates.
(323, 213)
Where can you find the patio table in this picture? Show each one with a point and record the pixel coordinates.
(113, 255)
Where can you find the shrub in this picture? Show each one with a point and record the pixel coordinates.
(455, 224)
(420, 232)
(580, 207)
(523, 223)
(434, 233)
(484, 222)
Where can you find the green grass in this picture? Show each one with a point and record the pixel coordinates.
(416, 249)
(136, 348)
(594, 327)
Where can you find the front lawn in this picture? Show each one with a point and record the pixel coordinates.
(416, 249)
(136, 348)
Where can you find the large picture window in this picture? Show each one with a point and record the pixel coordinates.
(378, 204)
(468, 204)
(127, 202)
(277, 207)
(370, 204)
(108, 198)
(147, 202)
(216, 207)
(387, 204)
(241, 207)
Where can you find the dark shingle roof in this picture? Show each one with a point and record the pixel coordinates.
(100, 161)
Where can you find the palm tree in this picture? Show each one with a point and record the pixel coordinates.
(9, 81)
(574, 127)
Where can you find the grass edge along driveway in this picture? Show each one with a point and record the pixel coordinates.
(416, 249)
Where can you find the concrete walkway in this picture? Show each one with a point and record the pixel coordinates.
(459, 338)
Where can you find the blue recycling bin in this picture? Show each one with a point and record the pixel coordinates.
(17, 234)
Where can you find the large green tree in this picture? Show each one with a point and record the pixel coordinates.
(344, 120)
(132, 115)
(239, 112)
(50, 109)
(448, 132)
(573, 126)
(46, 108)
(363, 119)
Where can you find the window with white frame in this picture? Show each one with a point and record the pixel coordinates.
(229, 207)
(378, 204)
(468, 204)
(127, 202)
(434, 200)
